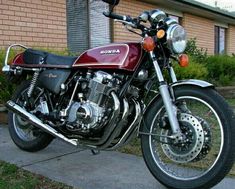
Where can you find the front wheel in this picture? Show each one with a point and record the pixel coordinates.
(205, 155)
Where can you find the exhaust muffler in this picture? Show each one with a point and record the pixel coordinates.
(13, 107)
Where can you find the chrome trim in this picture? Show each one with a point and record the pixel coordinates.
(170, 37)
(64, 112)
(9, 48)
(117, 130)
(112, 124)
(157, 16)
(33, 83)
(144, 16)
(218, 156)
(196, 82)
(170, 21)
(170, 109)
(172, 74)
(6, 68)
(157, 68)
(126, 23)
(193, 82)
(13, 107)
(126, 109)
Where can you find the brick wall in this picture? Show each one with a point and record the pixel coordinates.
(35, 23)
(230, 40)
(202, 29)
(132, 8)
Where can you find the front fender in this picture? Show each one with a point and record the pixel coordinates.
(189, 82)
(193, 82)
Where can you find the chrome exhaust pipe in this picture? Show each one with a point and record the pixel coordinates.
(15, 108)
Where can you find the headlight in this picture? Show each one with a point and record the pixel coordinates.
(176, 38)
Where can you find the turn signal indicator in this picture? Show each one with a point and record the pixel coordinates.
(161, 34)
(183, 60)
(148, 44)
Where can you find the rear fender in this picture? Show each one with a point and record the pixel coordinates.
(190, 82)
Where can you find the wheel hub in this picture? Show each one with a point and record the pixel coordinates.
(191, 147)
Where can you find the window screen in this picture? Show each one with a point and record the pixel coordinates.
(220, 40)
(99, 24)
(77, 25)
(87, 27)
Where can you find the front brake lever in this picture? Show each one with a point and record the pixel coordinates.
(126, 23)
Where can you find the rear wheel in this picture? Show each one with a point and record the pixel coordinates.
(206, 154)
(25, 135)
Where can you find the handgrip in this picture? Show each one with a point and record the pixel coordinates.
(113, 15)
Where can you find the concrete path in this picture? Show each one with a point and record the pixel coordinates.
(80, 169)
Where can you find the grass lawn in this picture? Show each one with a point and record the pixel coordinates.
(231, 102)
(12, 177)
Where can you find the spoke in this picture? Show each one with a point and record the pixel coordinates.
(204, 123)
(209, 113)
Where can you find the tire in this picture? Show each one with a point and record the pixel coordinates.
(39, 139)
(175, 168)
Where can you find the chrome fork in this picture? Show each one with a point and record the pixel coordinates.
(167, 100)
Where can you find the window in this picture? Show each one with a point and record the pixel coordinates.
(220, 40)
(86, 25)
(177, 18)
(100, 31)
(77, 25)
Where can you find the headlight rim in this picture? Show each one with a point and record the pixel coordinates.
(170, 33)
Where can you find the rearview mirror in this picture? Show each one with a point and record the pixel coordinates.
(111, 2)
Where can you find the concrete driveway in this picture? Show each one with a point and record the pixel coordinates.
(80, 169)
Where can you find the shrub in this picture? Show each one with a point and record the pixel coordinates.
(6, 87)
(198, 54)
(221, 69)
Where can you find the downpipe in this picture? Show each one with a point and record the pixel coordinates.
(15, 108)
(127, 135)
(111, 125)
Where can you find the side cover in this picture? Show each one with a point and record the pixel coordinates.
(115, 56)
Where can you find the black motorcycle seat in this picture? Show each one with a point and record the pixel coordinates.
(31, 56)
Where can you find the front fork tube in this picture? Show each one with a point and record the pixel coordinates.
(167, 100)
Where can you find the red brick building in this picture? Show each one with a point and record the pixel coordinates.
(79, 24)
(39, 23)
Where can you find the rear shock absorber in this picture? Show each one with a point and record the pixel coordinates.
(34, 80)
(33, 83)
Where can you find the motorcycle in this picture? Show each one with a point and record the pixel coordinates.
(98, 101)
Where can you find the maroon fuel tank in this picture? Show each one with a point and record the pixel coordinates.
(114, 56)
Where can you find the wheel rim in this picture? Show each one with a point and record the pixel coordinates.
(202, 164)
(24, 130)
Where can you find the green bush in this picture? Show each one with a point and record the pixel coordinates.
(221, 69)
(198, 54)
(6, 87)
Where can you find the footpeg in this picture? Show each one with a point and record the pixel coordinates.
(95, 152)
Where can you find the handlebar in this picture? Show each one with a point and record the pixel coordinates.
(127, 20)
(118, 17)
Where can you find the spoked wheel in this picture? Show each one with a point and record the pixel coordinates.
(25, 135)
(206, 153)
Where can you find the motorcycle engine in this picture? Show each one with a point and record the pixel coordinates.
(92, 111)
